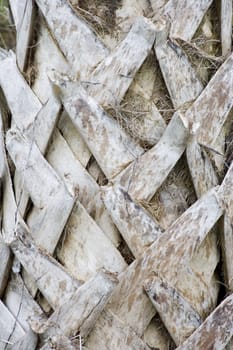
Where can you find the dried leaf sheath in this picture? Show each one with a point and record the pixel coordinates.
(180, 318)
(215, 332)
(46, 190)
(179, 242)
(82, 54)
(83, 174)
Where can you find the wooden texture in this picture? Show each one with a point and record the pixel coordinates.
(122, 64)
(225, 193)
(137, 227)
(142, 178)
(226, 26)
(124, 337)
(227, 251)
(47, 55)
(44, 123)
(157, 6)
(88, 303)
(180, 77)
(21, 92)
(178, 244)
(143, 30)
(116, 175)
(4, 267)
(28, 342)
(40, 120)
(80, 183)
(208, 113)
(9, 208)
(11, 331)
(74, 139)
(46, 190)
(85, 249)
(17, 9)
(20, 302)
(40, 132)
(203, 174)
(180, 319)
(59, 342)
(215, 332)
(24, 33)
(4, 250)
(67, 29)
(157, 336)
(111, 146)
(185, 16)
(51, 279)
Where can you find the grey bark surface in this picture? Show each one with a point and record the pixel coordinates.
(116, 175)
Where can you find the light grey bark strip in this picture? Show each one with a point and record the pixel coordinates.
(204, 179)
(202, 216)
(47, 55)
(27, 342)
(180, 77)
(227, 251)
(20, 302)
(11, 331)
(19, 96)
(123, 337)
(6, 204)
(48, 193)
(80, 182)
(17, 144)
(43, 283)
(74, 139)
(9, 208)
(138, 228)
(85, 249)
(70, 169)
(226, 26)
(111, 146)
(225, 192)
(185, 16)
(179, 317)
(24, 32)
(142, 29)
(88, 303)
(40, 132)
(146, 174)
(42, 128)
(208, 113)
(79, 44)
(113, 76)
(215, 332)
(4, 267)
(203, 174)
(17, 9)
(51, 278)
